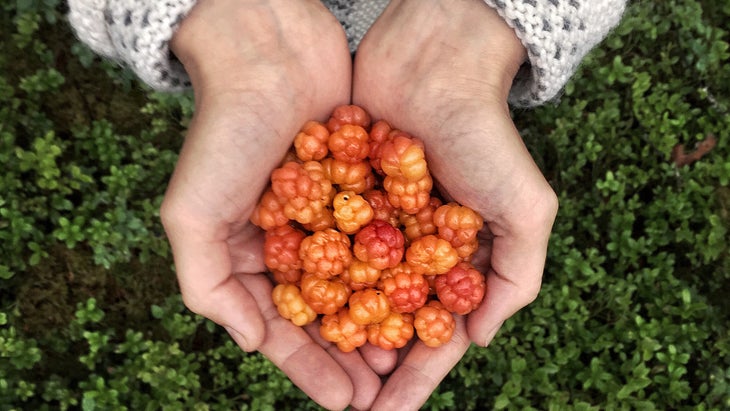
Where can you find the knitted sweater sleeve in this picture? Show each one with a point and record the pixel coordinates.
(135, 33)
(557, 35)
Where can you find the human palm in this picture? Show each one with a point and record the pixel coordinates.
(259, 70)
(443, 72)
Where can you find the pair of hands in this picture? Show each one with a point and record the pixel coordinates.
(440, 70)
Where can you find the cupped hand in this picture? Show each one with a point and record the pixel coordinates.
(259, 69)
(442, 70)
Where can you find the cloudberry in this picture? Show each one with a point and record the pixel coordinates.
(462, 289)
(434, 324)
(409, 196)
(291, 305)
(406, 292)
(393, 332)
(356, 177)
(368, 306)
(360, 275)
(420, 224)
(304, 187)
(431, 255)
(311, 142)
(457, 224)
(287, 277)
(281, 248)
(379, 134)
(269, 212)
(324, 296)
(403, 156)
(349, 143)
(323, 220)
(325, 253)
(379, 244)
(339, 328)
(351, 211)
(382, 208)
(348, 114)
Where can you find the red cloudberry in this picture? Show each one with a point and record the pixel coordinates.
(324, 296)
(462, 289)
(382, 209)
(393, 332)
(281, 248)
(291, 305)
(287, 277)
(325, 253)
(339, 328)
(348, 114)
(434, 324)
(406, 292)
(431, 255)
(379, 244)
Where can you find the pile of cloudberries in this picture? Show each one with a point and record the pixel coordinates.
(357, 238)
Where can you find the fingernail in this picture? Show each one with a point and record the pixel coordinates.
(492, 333)
(237, 337)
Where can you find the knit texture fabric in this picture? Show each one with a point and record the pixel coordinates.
(136, 33)
(556, 33)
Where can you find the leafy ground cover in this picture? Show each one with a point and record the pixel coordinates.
(633, 313)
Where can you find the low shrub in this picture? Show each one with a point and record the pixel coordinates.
(633, 313)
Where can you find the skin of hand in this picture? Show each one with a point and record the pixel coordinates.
(442, 70)
(259, 69)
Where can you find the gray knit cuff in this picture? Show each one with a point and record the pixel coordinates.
(135, 33)
(557, 35)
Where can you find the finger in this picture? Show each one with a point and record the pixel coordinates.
(421, 371)
(207, 286)
(366, 383)
(294, 352)
(381, 361)
(513, 281)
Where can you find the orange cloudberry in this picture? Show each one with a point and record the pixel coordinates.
(304, 187)
(324, 296)
(351, 211)
(269, 212)
(291, 305)
(431, 255)
(368, 306)
(434, 324)
(403, 156)
(393, 332)
(339, 328)
(325, 253)
(311, 142)
(409, 196)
